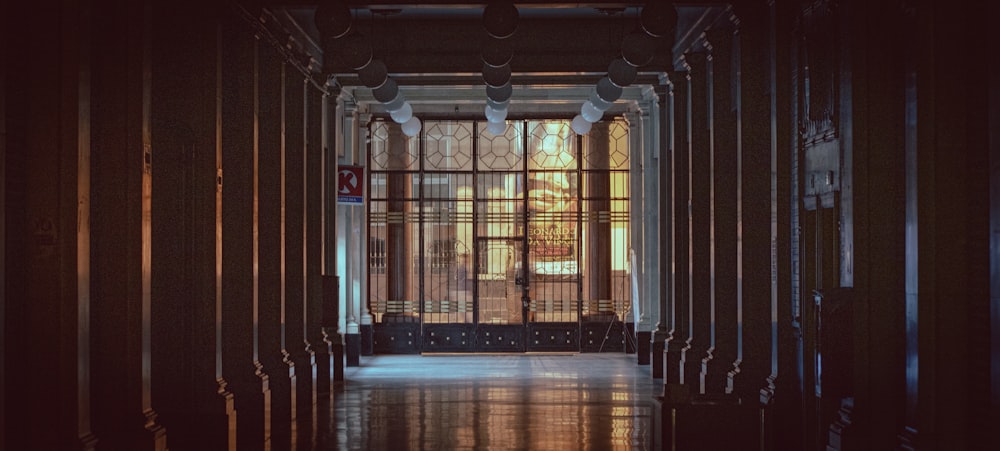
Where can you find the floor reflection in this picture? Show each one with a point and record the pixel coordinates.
(537, 402)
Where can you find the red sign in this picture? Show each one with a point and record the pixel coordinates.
(350, 185)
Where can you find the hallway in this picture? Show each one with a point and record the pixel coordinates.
(508, 401)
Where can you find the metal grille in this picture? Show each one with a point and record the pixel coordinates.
(461, 221)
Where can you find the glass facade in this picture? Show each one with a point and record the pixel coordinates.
(475, 229)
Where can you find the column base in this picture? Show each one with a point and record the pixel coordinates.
(353, 351)
(337, 350)
(367, 339)
(657, 359)
(642, 341)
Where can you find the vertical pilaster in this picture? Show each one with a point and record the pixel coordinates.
(294, 210)
(664, 148)
(952, 218)
(315, 336)
(651, 216)
(365, 327)
(188, 388)
(680, 119)
(598, 245)
(122, 231)
(757, 130)
(289, 117)
(699, 226)
(725, 214)
(636, 236)
(331, 307)
(239, 240)
(352, 228)
(270, 221)
(781, 394)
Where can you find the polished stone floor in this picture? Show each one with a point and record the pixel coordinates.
(493, 402)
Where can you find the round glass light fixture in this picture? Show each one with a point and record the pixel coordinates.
(354, 50)
(333, 19)
(598, 102)
(658, 19)
(498, 105)
(395, 103)
(374, 74)
(608, 91)
(403, 114)
(495, 115)
(500, 19)
(496, 76)
(496, 128)
(497, 52)
(387, 92)
(411, 127)
(621, 73)
(580, 125)
(500, 94)
(638, 48)
(590, 113)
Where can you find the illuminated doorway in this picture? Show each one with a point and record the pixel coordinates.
(499, 243)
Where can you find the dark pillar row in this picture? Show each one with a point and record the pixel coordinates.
(122, 231)
(45, 300)
(699, 223)
(680, 120)
(239, 244)
(724, 185)
(316, 338)
(188, 387)
(757, 122)
(598, 246)
(307, 369)
(270, 253)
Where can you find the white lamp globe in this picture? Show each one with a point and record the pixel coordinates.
(580, 125)
(496, 128)
(495, 115)
(411, 127)
(590, 112)
(403, 114)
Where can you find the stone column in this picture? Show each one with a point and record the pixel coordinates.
(639, 134)
(651, 216)
(365, 327)
(270, 286)
(680, 120)
(398, 239)
(726, 242)
(316, 339)
(331, 310)
(664, 145)
(354, 237)
(700, 234)
(189, 389)
(239, 228)
(598, 246)
(294, 200)
(122, 177)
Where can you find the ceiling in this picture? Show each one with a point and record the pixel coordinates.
(433, 50)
